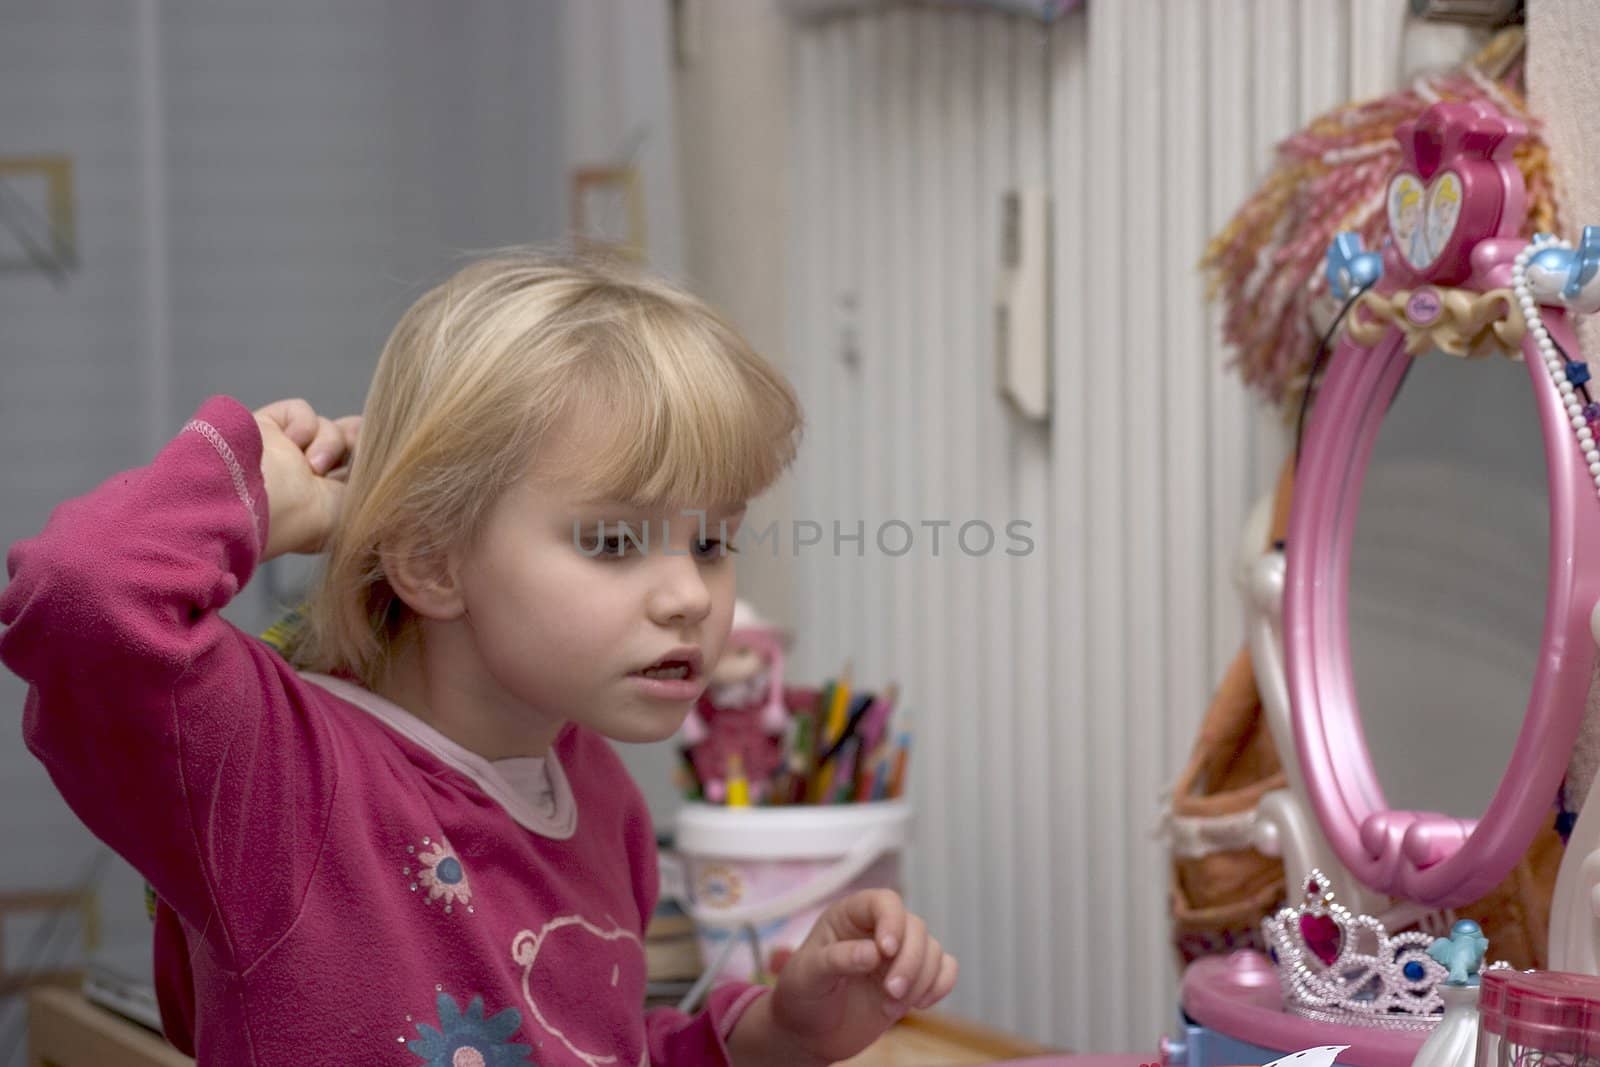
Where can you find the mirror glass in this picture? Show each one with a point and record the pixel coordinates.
(1448, 569)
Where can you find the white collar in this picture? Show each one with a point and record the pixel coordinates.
(483, 772)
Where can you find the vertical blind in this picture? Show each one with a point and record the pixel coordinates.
(1056, 679)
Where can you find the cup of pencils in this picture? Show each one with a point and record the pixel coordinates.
(846, 748)
(838, 745)
(781, 822)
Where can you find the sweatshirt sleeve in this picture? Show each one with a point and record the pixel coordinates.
(185, 744)
(673, 1037)
(676, 1038)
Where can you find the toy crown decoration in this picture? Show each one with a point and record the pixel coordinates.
(1337, 966)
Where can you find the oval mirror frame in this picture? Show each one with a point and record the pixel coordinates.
(1435, 859)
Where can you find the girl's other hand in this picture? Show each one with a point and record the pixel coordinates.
(867, 962)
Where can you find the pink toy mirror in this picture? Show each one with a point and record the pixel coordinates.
(1454, 279)
(1447, 578)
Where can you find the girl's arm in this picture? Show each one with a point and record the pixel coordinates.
(674, 1039)
(182, 742)
(703, 1039)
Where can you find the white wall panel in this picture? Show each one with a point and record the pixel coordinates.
(1054, 694)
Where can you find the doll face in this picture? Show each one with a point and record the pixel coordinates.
(738, 663)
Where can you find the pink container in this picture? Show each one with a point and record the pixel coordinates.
(1550, 1018)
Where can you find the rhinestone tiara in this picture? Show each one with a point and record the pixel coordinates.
(1335, 965)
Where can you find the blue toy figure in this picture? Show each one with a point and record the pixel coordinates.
(1462, 952)
(1454, 1041)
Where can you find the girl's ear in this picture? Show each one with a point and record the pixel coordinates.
(427, 583)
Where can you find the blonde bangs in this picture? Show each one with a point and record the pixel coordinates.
(680, 411)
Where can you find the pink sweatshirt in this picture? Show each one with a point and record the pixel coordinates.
(340, 883)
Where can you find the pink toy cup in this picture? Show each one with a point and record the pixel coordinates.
(1538, 1017)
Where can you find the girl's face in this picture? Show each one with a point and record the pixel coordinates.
(604, 633)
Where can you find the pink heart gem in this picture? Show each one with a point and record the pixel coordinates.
(1321, 935)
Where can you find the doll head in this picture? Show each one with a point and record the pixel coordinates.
(754, 645)
(753, 656)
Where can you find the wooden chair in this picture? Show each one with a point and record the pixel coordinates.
(23, 902)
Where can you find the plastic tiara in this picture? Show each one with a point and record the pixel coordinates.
(1337, 966)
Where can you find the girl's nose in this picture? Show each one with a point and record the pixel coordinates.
(680, 593)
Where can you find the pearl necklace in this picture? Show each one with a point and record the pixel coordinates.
(1569, 376)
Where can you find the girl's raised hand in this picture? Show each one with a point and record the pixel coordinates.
(304, 462)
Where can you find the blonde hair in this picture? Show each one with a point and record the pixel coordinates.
(474, 377)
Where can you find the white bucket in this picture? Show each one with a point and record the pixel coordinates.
(776, 869)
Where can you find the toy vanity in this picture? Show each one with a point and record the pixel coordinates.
(1424, 638)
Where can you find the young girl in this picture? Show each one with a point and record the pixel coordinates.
(415, 844)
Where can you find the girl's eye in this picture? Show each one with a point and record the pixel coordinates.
(605, 547)
(708, 550)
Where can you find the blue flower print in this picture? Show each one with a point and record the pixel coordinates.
(470, 1040)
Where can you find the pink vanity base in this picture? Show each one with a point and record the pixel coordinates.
(1238, 996)
(1102, 1060)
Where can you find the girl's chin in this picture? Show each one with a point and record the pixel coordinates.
(648, 727)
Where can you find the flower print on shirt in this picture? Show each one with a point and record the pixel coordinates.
(468, 1039)
(440, 872)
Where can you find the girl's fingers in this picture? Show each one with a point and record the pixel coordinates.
(348, 431)
(351, 425)
(948, 970)
(814, 971)
(296, 418)
(932, 960)
(908, 961)
(327, 448)
(879, 914)
(327, 443)
(851, 957)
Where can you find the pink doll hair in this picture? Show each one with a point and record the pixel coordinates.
(1265, 266)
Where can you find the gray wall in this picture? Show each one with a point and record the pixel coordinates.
(261, 190)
